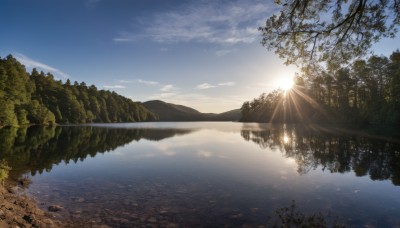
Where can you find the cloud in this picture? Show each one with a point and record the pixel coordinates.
(121, 40)
(227, 84)
(204, 21)
(147, 82)
(204, 86)
(220, 53)
(114, 87)
(126, 81)
(167, 91)
(162, 96)
(141, 81)
(168, 88)
(209, 86)
(30, 63)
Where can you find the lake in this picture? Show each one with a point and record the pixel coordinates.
(208, 174)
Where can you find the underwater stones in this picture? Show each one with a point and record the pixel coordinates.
(152, 220)
(54, 208)
(163, 212)
(254, 209)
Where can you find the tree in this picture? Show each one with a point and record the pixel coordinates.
(37, 98)
(7, 114)
(306, 32)
(39, 114)
(367, 91)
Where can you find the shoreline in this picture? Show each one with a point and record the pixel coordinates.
(19, 210)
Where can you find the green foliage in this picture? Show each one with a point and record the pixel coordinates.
(366, 92)
(7, 114)
(39, 99)
(263, 108)
(4, 170)
(335, 32)
(39, 114)
(22, 116)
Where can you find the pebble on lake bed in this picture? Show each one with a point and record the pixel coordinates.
(54, 208)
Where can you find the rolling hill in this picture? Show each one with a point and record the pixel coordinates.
(174, 112)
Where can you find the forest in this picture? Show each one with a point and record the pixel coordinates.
(364, 92)
(37, 98)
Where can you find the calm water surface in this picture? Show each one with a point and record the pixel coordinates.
(208, 174)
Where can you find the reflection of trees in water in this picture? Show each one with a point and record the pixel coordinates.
(334, 151)
(36, 149)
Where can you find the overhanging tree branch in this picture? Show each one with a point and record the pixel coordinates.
(327, 30)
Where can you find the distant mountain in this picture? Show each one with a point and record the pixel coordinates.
(232, 115)
(174, 112)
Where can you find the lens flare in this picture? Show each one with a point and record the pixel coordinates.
(285, 83)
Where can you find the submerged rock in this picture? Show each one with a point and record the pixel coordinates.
(54, 208)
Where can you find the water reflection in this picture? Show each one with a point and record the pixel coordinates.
(335, 150)
(208, 176)
(37, 149)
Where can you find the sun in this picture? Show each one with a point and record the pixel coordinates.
(286, 139)
(285, 83)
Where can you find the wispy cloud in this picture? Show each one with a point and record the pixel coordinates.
(205, 86)
(148, 82)
(162, 96)
(121, 40)
(114, 87)
(126, 81)
(209, 86)
(168, 88)
(220, 53)
(141, 81)
(204, 21)
(227, 84)
(30, 63)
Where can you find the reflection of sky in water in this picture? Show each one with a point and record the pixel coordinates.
(209, 172)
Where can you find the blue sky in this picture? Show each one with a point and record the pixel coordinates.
(205, 54)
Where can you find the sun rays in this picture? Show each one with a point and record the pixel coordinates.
(294, 105)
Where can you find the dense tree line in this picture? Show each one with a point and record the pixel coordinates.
(367, 91)
(37, 98)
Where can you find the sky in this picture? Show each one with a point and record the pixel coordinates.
(205, 54)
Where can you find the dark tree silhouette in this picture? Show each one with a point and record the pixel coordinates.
(309, 31)
(365, 92)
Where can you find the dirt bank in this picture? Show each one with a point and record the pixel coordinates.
(17, 210)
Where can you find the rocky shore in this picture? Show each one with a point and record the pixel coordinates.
(17, 210)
